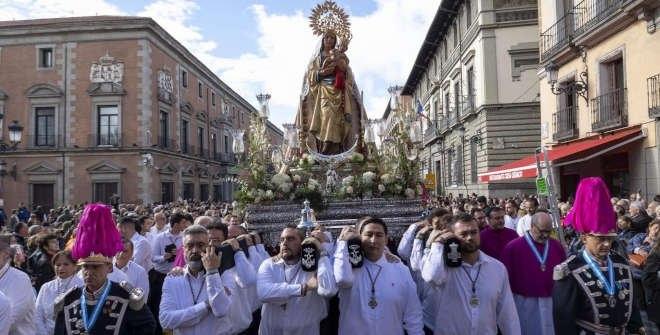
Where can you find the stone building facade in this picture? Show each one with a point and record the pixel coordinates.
(113, 105)
(474, 78)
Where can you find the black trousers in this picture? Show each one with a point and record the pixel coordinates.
(156, 280)
(254, 326)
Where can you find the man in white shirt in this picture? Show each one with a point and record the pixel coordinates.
(380, 297)
(136, 274)
(197, 301)
(163, 254)
(5, 314)
(474, 297)
(294, 301)
(511, 218)
(141, 247)
(17, 287)
(160, 226)
(525, 222)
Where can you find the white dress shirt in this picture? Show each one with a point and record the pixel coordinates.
(426, 291)
(455, 314)
(188, 314)
(137, 277)
(45, 317)
(17, 287)
(243, 276)
(406, 245)
(397, 307)
(511, 223)
(158, 250)
(5, 314)
(256, 258)
(142, 251)
(285, 311)
(524, 224)
(153, 232)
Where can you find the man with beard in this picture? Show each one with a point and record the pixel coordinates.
(380, 297)
(293, 300)
(593, 291)
(529, 260)
(474, 297)
(197, 301)
(101, 306)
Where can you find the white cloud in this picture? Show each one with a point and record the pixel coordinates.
(34, 9)
(382, 52)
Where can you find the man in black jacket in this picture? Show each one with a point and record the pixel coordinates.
(640, 219)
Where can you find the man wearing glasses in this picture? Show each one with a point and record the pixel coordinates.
(530, 260)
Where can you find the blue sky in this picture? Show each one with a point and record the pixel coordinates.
(265, 45)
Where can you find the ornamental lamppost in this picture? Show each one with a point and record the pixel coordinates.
(15, 136)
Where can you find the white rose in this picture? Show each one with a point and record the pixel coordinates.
(269, 194)
(381, 188)
(349, 190)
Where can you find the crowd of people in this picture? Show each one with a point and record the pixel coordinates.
(471, 265)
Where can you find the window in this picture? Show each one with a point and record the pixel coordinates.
(108, 125)
(46, 57)
(204, 192)
(226, 144)
(199, 90)
(444, 50)
(473, 162)
(217, 192)
(470, 87)
(455, 34)
(163, 139)
(184, 78)
(167, 192)
(457, 97)
(213, 98)
(103, 192)
(44, 127)
(188, 191)
(200, 140)
(451, 167)
(184, 136)
(446, 104)
(468, 13)
(214, 143)
(614, 75)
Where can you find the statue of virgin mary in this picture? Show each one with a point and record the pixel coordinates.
(330, 115)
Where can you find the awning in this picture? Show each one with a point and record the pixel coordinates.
(563, 154)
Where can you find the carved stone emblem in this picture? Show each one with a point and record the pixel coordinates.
(106, 70)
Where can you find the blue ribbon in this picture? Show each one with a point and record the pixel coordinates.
(543, 259)
(97, 309)
(609, 285)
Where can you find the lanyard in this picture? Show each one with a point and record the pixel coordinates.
(473, 281)
(543, 259)
(195, 297)
(97, 309)
(373, 280)
(609, 285)
(288, 281)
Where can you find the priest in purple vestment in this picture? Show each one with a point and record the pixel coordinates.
(495, 237)
(530, 260)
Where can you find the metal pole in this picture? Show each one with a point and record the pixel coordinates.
(552, 198)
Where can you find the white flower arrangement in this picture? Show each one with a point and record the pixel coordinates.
(349, 190)
(347, 181)
(282, 182)
(410, 193)
(386, 178)
(269, 195)
(381, 188)
(368, 178)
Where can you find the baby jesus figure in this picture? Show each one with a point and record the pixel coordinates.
(337, 59)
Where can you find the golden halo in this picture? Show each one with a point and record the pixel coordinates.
(329, 17)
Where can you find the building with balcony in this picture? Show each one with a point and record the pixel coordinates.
(475, 80)
(113, 106)
(599, 86)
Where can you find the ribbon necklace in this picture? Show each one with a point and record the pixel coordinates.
(97, 309)
(609, 286)
(372, 299)
(543, 259)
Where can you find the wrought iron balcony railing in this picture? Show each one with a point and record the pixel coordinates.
(653, 94)
(609, 111)
(590, 13)
(565, 124)
(556, 37)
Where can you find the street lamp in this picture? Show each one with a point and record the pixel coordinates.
(15, 135)
(263, 99)
(579, 87)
